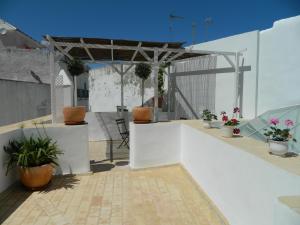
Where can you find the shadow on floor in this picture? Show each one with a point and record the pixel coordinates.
(104, 165)
(14, 196)
(11, 199)
(122, 163)
(101, 167)
(66, 182)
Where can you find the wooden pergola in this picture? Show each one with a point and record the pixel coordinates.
(129, 52)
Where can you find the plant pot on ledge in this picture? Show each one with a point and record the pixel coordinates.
(142, 114)
(278, 147)
(227, 131)
(74, 115)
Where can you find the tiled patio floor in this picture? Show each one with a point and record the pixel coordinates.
(160, 196)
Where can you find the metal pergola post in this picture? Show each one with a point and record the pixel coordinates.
(155, 71)
(122, 91)
(169, 94)
(236, 80)
(52, 82)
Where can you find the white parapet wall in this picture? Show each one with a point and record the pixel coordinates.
(154, 145)
(238, 174)
(72, 140)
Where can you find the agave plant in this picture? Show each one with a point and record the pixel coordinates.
(31, 152)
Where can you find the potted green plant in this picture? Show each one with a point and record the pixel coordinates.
(161, 91)
(142, 114)
(35, 158)
(229, 128)
(74, 114)
(207, 117)
(278, 138)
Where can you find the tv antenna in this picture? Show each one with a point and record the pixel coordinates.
(194, 32)
(207, 23)
(172, 18)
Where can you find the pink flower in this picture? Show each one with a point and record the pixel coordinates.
(225, 118)
(289, 123)
(274, 121)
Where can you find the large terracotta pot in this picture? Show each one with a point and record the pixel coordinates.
(36, 177)
(142, 114)
(74, 115)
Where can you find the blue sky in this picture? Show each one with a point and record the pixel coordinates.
(144, 20)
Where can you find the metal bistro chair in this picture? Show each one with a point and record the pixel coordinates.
(123, 132)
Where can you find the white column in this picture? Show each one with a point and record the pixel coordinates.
(169, 94)
(75, 91)
(236, 80)
(155, 71)
(52, 82)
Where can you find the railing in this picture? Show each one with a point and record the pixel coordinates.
(255, 128)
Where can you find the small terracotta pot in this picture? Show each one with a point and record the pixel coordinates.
(36, 177)
(74, 115)
(142, 114)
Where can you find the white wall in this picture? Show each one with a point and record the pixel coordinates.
(279, 65)
(23, 101)
(273, 55)
(154, 145)
(225, 91)
(5, 181)
(243, 186)
(72, 140)
(105, 90)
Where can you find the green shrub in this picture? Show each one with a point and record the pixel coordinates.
(31, 152)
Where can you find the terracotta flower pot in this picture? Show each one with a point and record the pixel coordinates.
(74, 115)
(36, 177)
(142, 114)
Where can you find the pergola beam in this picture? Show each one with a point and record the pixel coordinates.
(112, 50)
(136, 51)
(145, 54)
(229, 61)
(69, 47)
(87, 50)
(174, 57)
(175, 50)
(211, 71)
(165, 56)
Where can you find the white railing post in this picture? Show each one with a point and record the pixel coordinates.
(155, 69)
(52, 81)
